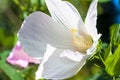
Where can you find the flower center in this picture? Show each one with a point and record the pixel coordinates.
(81, 43)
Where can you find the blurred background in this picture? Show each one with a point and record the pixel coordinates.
(13, 12)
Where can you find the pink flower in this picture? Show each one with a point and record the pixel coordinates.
(19, 57)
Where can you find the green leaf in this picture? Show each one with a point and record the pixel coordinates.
(102, 1)
(115, 34)
(113, 63)
(108, 52)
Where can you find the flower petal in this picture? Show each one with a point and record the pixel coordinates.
(38, 30)
(93, 48)
(82, 30)
(63, 12)
(90, 20)
(60, 66)
(20, 58)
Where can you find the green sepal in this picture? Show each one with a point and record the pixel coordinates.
(112, 63)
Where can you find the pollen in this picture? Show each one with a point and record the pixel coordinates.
(81, 43)
(73, 30)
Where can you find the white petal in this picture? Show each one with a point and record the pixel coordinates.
(38, 30)
(92, 49)
(91, 18)
(82, 30)
(63, 12)
(60, 66)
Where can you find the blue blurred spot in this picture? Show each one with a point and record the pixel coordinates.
(116, 4)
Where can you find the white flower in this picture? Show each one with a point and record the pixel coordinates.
(64, 40)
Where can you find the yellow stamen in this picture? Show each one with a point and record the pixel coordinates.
(80, 42)
(74, 31)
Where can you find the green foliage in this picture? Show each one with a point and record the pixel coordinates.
(28, 6)
(102, 1)
(108, 52)
(97, 57)
(108, 55)
(6, 40)
(115, 34)
(3, 5)
(113, 63)
(112, 53)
